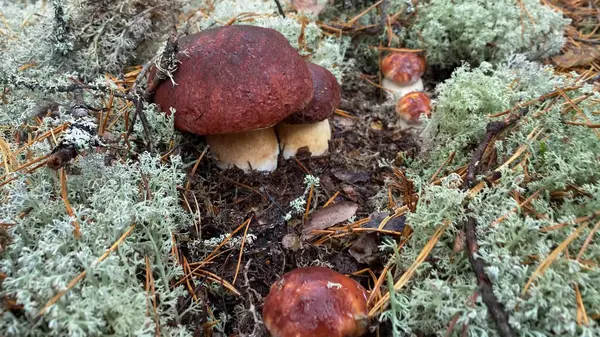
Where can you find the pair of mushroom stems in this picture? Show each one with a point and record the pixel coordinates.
(411, 102)
(259, 149)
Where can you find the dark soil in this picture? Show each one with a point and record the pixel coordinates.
(228, 198)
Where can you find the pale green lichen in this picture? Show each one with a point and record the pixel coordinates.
(443, 287)
(451, 31)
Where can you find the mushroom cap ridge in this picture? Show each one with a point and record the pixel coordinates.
(327, 95)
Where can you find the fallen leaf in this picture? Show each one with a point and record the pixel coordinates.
(365, 249)
(351, 176)
(329, 216)
(394, 224)
(577, 57)
(350, 192)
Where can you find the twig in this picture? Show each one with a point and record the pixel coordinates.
(279, 8)
(495, 308)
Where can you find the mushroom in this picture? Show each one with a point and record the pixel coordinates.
(402, 71)
(233, 85)
(410, 107)
(316, 302)
(310, 127)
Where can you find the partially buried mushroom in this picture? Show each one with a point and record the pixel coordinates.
(233, 85)
(310, 127)
(316, 302)
(410, 108)
(402, 73)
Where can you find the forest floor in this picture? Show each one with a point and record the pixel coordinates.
(343, 208)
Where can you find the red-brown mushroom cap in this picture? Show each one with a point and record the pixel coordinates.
(403, 68)
(411, 106)
(316, 302)
(327, 96)
(233, 79)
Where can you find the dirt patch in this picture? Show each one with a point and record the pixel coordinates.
(223, 200)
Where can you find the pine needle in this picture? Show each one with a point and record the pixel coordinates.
(64, 195)
(382, 303)
(552, 257)
(79, 277)
(237, 268)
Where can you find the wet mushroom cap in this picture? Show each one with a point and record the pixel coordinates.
(403, 68)
(327, 96)
(411, 106)
(234, 79)
(316, 302)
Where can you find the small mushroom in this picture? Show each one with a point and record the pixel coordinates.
(402, 71)
(316, 302)
(310, 127)
(234, 84)
(410, 108)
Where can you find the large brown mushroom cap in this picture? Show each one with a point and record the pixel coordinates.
(327, 95)
(316, 302)
(233, 79)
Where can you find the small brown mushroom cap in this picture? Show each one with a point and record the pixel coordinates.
(403, 68)
(410, 107)
(233, 79)
(327, 96)
(316, 302)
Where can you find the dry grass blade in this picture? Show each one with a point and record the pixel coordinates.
(330, 200)
(361, 14)
(215, 278)
(79, 277)
(64, 195)
(188, 281)
(552, 257)
(587, 241)
(237, 268)
(151, 290)
(224, 242)
(9, 159)
(382, 303)
(193, 172)
(582, 317)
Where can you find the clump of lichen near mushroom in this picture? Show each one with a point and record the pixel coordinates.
(557, 169)
(477, 31)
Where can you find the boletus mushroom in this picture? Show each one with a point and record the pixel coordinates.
(402, 73)
(410, 108)
(316, 302)
(234, 83)
(310, 127)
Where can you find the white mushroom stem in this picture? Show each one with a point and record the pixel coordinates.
(396, 91)
(250, 150)
(315, 137)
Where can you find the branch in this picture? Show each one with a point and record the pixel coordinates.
(495, 308)
(279, 8)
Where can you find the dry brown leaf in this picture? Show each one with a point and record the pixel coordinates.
(329, 216)
(577, 57)
(365, 249)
